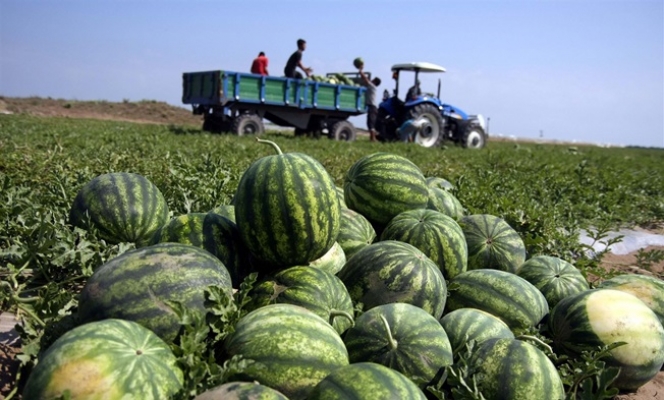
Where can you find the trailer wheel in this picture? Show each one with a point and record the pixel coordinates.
(433, 131)
(343, 130)
(248, 124)
(474, 137)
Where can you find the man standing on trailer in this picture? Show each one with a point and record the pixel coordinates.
(295, 61)
(259, 66)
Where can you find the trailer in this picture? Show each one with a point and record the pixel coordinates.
(238, 102)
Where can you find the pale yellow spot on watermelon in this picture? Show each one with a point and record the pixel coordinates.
(616, 316)
(645, 293)
(85, 379)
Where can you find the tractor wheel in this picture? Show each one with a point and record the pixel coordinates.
(432, 132)
(248, 124)
(474, 137)
(342, 130)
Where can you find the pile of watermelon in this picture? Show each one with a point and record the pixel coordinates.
(368, 290)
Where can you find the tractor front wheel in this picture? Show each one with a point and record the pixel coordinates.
(432, 132)
(474, 137)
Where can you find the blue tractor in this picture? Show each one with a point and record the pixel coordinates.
(441, 122)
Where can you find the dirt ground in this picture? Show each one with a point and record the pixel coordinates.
(150, 111)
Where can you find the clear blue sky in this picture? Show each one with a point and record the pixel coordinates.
(587, 70)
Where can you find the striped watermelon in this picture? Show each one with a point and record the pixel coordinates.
(505, 295)
(340, 195)
(554, 277)
(309, 287)
(293, 349)
(122, 207)
(382, 185)
(435, 234)
(109, 359)
(391, 272)
(512, 369)
(241, 391)
(604, 316)
(648, 289)
(287, 209)
(226, 210)
(212, 232)
(355, 233)
(138, 285)
(366, 381)
(332, 261)
(470, 324)
(492, 243)
(402, 337)
(442, 200)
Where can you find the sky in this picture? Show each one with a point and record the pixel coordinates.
(585, 70)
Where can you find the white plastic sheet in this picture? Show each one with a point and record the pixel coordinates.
(632, 241)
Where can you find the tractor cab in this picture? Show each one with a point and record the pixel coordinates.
(442, 121)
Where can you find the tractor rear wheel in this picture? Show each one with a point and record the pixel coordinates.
(432, 132)
(248, 124)
(473, 137)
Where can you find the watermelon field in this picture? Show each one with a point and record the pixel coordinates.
(154, 261)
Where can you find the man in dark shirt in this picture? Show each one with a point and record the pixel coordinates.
(295, 61)
(414, 91)
(259, 66)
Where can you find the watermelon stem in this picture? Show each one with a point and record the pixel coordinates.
(537, 340)
(393, 343)
(340, 313)
(276, 146)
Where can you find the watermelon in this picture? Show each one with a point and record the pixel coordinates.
(505, 295)
(293, 349)
(355, 233)
(138, 285)
(366, 381)
(340, 196)
(512, 369)
(309, 287)
(287, 209)
(648, 289)
(601, 317)
(394, 272)
(212, 232)
(332, 261)
(441, 199)
(121, 206)
(435, 234)
(492, 243)
(554, 277)
(226, 210)
(241, 391)
(402, 337)
(470, 324)
(381, 185)
(109, 359)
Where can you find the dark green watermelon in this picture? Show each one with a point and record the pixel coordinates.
(212, 232)
(109, 359)
(292, 349)
(366, 381)
(392, 271)
(437, 235)
(137, 286)
(402, 337)
(464, 325)
(492, 243)
(381, 185)
(355, 233)
(554, 277)
(442, 200)
(241, 391)
(309, 287)
(121, 206)
(287, 210)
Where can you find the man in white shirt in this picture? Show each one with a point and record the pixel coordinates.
(372, 103)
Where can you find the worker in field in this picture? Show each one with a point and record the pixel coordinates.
(410, 128)
(295, 61)
(372, 103)
(259, 65)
